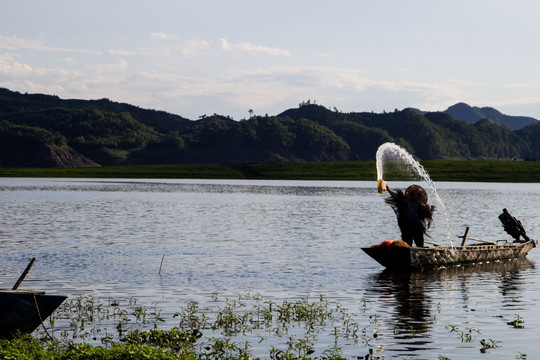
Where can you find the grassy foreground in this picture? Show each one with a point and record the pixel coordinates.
(448, 170)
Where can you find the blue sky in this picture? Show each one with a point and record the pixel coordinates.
(216, 56)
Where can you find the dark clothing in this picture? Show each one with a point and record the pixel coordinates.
(412, 217)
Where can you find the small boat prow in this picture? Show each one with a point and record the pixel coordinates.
(22, 311)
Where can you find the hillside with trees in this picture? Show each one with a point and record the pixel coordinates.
(42, 131)
(471, 115)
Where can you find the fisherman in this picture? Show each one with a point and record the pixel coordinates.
(414, 214)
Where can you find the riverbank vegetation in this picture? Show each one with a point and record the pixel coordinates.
(245, 327)
(439, 170)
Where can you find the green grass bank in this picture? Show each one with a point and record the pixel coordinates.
(447, 170)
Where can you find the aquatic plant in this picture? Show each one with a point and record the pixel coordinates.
(467, 335)
(489, 344)
(371, 355)
(173, 339)
(299, 322)
(517, 323)
(235, 328)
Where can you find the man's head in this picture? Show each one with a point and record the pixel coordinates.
(417, 194)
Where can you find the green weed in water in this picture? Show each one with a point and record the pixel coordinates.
(303, 328)
(517, 323)
(489, 344)
(125, 322)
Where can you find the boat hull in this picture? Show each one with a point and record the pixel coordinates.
(23, 311)
(441, 256)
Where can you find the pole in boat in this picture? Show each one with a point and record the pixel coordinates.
(464, 236)
(25, 272)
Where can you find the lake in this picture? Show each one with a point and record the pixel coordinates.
(169, 242)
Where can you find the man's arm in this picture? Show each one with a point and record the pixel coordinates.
(391, 192)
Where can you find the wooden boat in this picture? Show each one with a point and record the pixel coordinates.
(24, 310)
(414, 258)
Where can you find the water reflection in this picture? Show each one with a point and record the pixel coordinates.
(404, 298)
(512, 282)
(408, 298)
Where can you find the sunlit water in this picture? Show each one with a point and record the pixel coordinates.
(284, 240)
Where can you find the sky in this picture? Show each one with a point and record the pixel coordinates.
(197, 57)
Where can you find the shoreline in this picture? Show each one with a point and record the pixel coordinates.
(439, 170)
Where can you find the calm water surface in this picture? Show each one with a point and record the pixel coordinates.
(284, 240)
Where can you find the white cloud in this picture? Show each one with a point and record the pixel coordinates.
(16, 43)
(276, 88)
(44, 89)
(16, 70)
(13, 69)
(121, 65)
(526, 86)
(196, 47)
(9, 67)
(122, 52)
(267, 89)
(163, 36)
(170, 53)
(246, 47)
(167, 78)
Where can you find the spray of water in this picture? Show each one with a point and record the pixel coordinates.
(391, 151)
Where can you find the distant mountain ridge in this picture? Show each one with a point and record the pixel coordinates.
(472, 114)
(39, 130)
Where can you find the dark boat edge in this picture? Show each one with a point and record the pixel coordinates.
(22, 311)
(413, 258)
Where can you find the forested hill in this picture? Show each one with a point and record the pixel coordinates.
(471, 115)
(42, 130)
